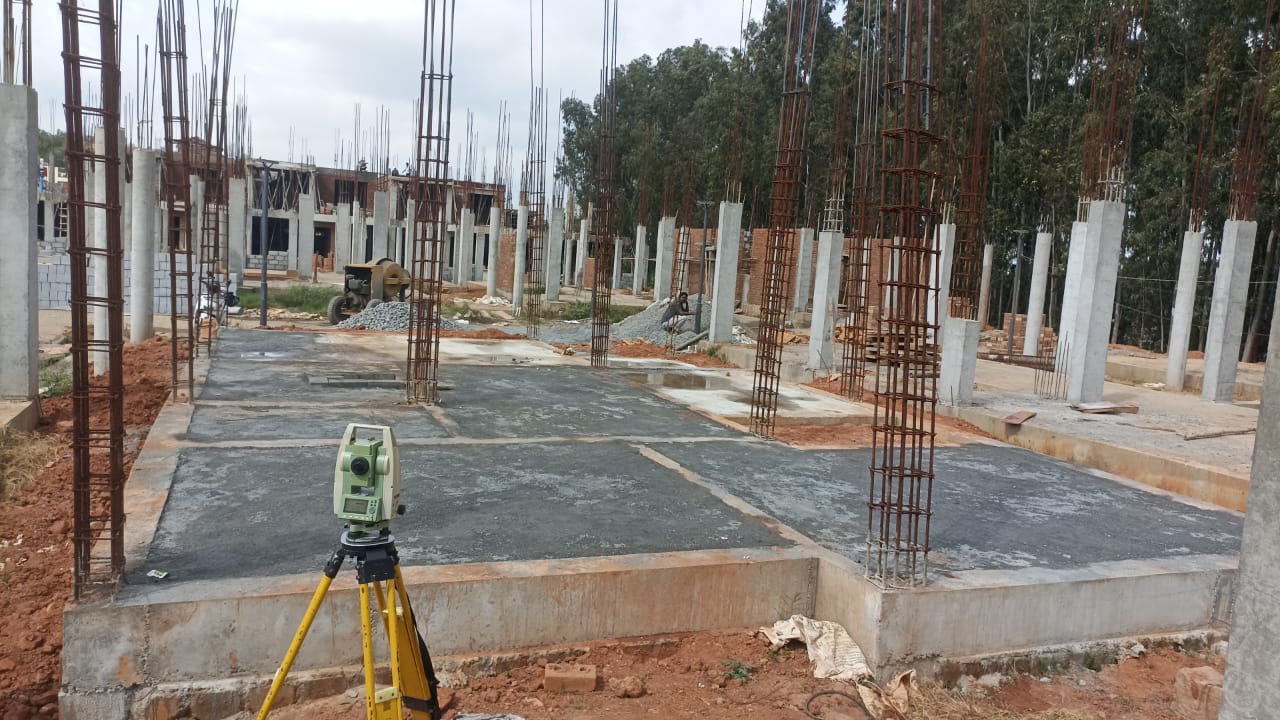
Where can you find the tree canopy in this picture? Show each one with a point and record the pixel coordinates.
(682, 114)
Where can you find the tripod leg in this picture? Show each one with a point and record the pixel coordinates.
(417, 674)
(330, 572)
(366, 643)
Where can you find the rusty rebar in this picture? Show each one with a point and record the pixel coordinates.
(602, 226)
(430, 187)
(97, 408)
(779, 256)
(966, 271)
(900, 498)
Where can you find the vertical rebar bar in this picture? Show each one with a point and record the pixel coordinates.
(779, 260)
(602, 227)
(97, 407)
(429, 189)
(899, 506)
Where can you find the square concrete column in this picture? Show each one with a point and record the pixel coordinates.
(381, 223)
(616, 283)
(804, 268)
(522, 257)
(1184, 302)
(291, 256)
(410, 225)
(197, 227)
(944, 244)
(959, 362)
(1226, 315)
(984, 287)
(237, 215)
(665, 256)
(580, 269)
(495, 242)
(1039, 283)
(1090, 331)
(359, 234)
(342, 238)
(19, 165)
(464, 248)
(1250, 691)
(826, 293)
(723, 299)
(142, 253)
(306, 236)
(1071, 285)
(393, 225)
(640, 267)
(555, 252)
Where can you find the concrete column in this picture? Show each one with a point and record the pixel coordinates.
(728, 244)
(555, 253)
(495, 242)
(359, 228)
(826, 293)
(1250, 691)
(984, 288)
(580, 269)
(617, 264)
(291, 256)
(197, 229)
(381, 223)
(342, 238)
(1226, 315)
(410, 225)
(99, 358)
(1184, 302)
(1071, 285)
(306, 236)
(640, 268)
(237, 214)
(522, 252)
(48, 216)
(959, 361)
(944, 243)
(665, 256)
(19, 194)
(804, 268)
(393, 224)
(142, 253)
(1090, 332)
(1039, 283)
(465, 248)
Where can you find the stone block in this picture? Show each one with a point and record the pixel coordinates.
(569, 677)
(1198, 692)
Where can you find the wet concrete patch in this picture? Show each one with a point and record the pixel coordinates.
(994, 507)
(257, 513)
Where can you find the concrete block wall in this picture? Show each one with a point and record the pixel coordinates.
(54, 281)
(276, 260)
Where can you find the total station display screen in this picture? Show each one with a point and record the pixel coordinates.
(355, 506)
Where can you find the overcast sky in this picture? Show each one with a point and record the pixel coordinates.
(305, 64)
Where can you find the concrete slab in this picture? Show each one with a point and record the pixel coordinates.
(996, 507)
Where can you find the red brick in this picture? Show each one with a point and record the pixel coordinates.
(569, 677)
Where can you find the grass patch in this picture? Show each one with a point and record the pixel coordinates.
(312, 299)
(55, 383)
(582, 311)
(22, 457)
(737, 670)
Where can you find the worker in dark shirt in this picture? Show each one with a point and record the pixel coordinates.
(678, 317)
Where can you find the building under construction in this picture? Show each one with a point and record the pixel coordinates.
(843, 426)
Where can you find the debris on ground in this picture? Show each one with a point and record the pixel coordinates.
(492, 300)
(1019, 417)
(388, 316)
(1103, 408)
(647, 324)
(833, 653)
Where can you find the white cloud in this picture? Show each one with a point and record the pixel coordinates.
(305, 64)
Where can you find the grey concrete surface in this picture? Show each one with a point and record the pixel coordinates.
(994, 507)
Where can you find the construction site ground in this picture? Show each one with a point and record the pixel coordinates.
(535, 466)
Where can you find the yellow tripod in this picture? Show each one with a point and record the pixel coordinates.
(413, 680)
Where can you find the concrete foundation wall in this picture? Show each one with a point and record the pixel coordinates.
(243, 631)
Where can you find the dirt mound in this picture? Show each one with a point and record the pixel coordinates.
(35, 540)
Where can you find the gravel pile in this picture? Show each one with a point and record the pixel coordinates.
(647, 324)
(392, 316)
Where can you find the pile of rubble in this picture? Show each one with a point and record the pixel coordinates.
(389, 316)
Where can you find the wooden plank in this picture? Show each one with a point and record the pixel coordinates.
(1019, 417)
(1103, 408)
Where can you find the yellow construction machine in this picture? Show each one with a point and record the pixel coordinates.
(367, 285)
